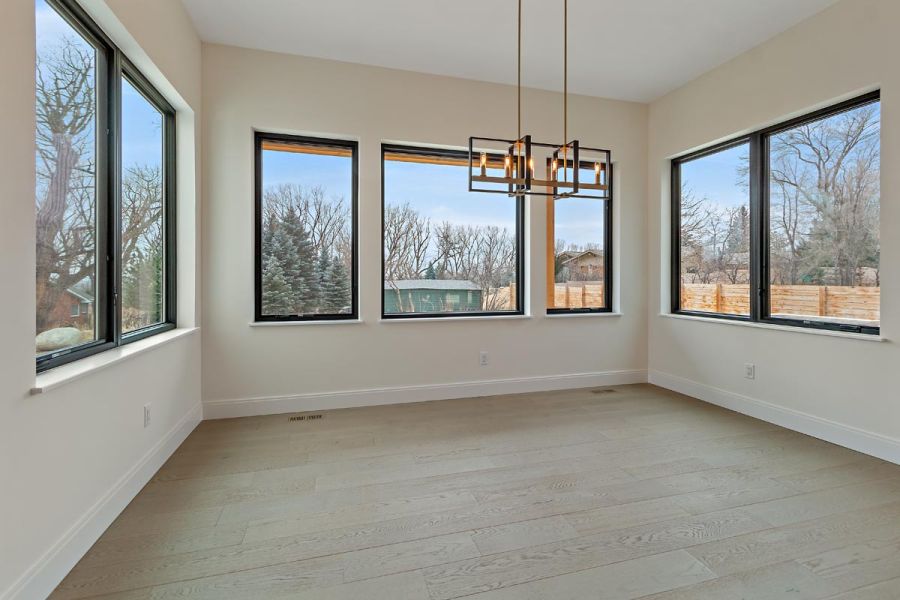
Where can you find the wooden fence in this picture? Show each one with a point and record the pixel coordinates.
(842, 302)
(578, 294)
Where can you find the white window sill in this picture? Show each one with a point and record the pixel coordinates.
(54, 378)
(584, 314)
(305, 323)
(785, 328)
(455, 319)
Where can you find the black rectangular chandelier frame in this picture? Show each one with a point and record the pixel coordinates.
(519, 169)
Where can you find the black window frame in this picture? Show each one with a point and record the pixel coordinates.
(758, 143)
(111, 68)
(608, 250)
(263, 136)
(520, 239)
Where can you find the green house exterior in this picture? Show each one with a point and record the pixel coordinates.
(431, 295)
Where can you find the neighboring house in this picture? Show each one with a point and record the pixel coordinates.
(431, 295)
(578, 265)
(75, 308)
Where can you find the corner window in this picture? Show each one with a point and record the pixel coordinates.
(305, 228)
(105, 263)
(446, 251)
(783, 227)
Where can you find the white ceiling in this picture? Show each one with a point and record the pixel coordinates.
(625, 49)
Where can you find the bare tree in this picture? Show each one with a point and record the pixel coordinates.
(407, 238)
(826, 175)
(65, 216)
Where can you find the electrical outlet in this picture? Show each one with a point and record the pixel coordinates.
(146, 416)
(749, 370)
(483, 358)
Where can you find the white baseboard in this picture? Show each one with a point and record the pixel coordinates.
(867, 442)
(271, 405)
(46, 573)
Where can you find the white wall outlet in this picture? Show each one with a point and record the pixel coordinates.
(146, 416)
(749, 370)
(483, 358)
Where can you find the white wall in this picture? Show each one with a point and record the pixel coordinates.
(73, 456)
(246, 89)
(839, 388)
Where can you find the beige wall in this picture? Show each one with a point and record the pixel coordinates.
(71, 457)
(245, 89)
(846, 386)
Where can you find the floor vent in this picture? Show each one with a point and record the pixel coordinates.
(604, 391)
(306, 417)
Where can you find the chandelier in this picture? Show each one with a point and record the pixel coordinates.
(522, 166)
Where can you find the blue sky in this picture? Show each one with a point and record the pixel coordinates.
(49, 26)
(716, 178)
(333, 173)
(440, 192)
(141, 130)
(579, 221)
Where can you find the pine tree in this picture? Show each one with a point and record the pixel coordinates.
(283, 249)
(337, 287)
(430, 272)
(306, 284)
(277, 297)
(322, 275)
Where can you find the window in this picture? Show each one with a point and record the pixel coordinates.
(579, 252)
(105, 232)
(306, 190)
(714, 217)
(446, 251)
(143, 223)
(807, 196)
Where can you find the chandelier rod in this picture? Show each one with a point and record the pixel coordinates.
(565, 72)
(519, 76)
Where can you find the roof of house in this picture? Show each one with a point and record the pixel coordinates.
(82, 290)
(570, 255)
(431, 284)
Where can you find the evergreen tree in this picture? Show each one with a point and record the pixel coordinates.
(336, 294)
(306, 283)
(430, 272)
(323, 272)
(142, 286)
(283, 249)
(277, 296)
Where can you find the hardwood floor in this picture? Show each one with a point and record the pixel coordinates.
(619, 493)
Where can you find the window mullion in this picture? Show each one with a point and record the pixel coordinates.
(115, 196)
(758, 246)
(675, 254)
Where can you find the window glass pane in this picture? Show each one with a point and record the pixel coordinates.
(446, 250)
(715, 232)
(66, 192)
(143, 236)
(824, 195)
(307, 229)
(579, 254)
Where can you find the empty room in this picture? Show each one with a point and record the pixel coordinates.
(426, 300)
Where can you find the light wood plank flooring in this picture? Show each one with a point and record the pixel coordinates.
(616, 493)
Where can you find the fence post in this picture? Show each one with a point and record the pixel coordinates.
(823, 301)
(568, 301)
(718, 297)
(583, 295)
